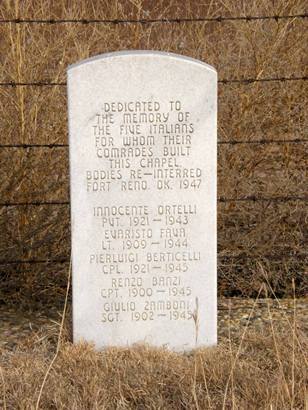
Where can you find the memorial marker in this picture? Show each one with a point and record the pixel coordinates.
(142, 141)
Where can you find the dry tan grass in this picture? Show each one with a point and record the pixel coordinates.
(244, 243)
(249, 233)
(253, 49)
(251, 371)
(258, 241)
(148, 9)
(246, 112)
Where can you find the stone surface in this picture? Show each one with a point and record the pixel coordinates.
(234, 315)
(143, 142)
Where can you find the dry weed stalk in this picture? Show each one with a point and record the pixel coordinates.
(59, 338)
(292, 328)
(40, 52)
(142, 377)
(267, 111)
(233, 362)
(3, 388)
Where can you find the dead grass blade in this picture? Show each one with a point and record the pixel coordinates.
(59, 338)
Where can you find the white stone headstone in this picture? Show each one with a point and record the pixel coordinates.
(142, 142)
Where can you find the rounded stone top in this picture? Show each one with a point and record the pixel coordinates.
(141, 53)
